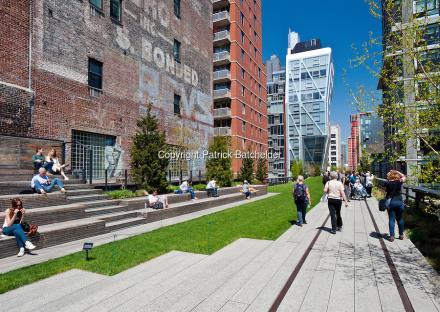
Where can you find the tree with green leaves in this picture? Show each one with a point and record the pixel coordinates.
(405, 62)
(296, 169)
(147, 168)
(247, 168)
(219, 168)
(261, 173)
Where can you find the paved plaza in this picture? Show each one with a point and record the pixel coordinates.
(305, 269)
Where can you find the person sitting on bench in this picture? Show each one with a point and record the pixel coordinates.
(155, 201)
(211, 188)
(185, 187)
(42, 184)
(245, 189)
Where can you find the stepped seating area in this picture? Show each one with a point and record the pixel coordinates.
(85, 211)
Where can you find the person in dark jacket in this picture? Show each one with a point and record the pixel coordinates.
(394, 193)
(301, 196)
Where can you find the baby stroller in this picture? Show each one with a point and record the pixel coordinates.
(358, 192)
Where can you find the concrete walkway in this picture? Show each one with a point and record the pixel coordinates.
(305, 269)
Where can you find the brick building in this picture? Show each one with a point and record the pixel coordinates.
(86, 70)
(239, 76)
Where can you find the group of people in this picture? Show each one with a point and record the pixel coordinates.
(50, 162)
(356, 185)
(339, 188)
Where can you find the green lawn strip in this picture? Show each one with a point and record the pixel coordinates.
(264, 219)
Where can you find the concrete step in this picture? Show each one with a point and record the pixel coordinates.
(83, 191)
(153, 271)
(85, 198)
(160, 295)
(116, 216)
(125, 223)
(50, 289)
(107, 209)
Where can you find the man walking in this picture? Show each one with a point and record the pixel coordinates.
(301, 196)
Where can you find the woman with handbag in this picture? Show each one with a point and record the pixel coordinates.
(12, 226)
(335, 191)
(395, 209)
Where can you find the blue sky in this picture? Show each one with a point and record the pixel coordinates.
(338, 24)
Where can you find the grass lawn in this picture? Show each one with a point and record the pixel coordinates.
(263, 219)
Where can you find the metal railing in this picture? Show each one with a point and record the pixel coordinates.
(222, 112)
(220, 16)
(220, 35)
(410, 193)
(224, 55)
(274, 181)
(220, 74)
(219, 93)
(222, 131)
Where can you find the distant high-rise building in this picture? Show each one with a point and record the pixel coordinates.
(273, 65)
(366, 137)
(309, 88)
(335, 146)
(344, 155)
(240, 110)
(276, 83)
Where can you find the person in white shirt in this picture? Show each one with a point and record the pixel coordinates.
(57, 167)
(155, 201)
(335, 191)
(185, 187)
(42, 184)
(369, 183)
(13, 226)
(211, 188)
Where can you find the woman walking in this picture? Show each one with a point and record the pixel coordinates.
(394, 194)
(335, 191)
(302, 198)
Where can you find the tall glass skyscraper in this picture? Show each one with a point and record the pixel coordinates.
(309, 88)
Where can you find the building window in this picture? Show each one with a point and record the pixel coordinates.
(97, 4)
(426, 7)
(242, 54)
(177, 99)
(177, 8)
(243, 126)
(242, 37)
(243, 90)
(242, 18)
(95, 74)
(115, 10)
(176, 50)
(242, 73)
(243, 109)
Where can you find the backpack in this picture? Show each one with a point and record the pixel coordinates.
(299, 193)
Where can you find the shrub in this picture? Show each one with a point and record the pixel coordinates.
(121, 194)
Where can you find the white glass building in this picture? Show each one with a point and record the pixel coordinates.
(309, 87)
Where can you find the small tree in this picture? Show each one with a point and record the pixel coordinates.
(148, 169)
(219, 168)
(317, 170)
(261, 173)
(247, 168)
(296, 169)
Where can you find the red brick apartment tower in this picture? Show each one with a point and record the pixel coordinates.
(353, 142)
(86, 70)
(239, 78)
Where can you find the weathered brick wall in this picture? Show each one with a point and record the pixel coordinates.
(138, 68)
(16, 152)
(15, 109)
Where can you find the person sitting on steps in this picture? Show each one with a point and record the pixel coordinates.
(42, 184)
(212, 189)
(57, 167)
(185, 187)
(38, 159)
(12, 226)
(155, 201)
